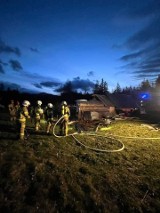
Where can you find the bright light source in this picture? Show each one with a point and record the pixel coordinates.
(144, 96)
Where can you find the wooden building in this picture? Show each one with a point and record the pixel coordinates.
(124, 102)
(95, 109)
(103, 106)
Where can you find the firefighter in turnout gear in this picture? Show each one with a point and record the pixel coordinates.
(22, 115)
(38, 112)
(49, 116)
(17, 106)
(65, 112)
(12, 111)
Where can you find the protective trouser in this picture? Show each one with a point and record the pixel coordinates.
(37, 123)
(22, 122)
(49, 125)
(22, 130)
(64, 125)
(13, 115)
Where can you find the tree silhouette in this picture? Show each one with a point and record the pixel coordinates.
(145, 85)
(66, 88)
(101, 88)
(118, 89)
(157, 82)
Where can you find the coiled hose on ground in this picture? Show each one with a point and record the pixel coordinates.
(73, 135)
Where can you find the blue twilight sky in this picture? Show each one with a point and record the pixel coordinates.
(44, 43)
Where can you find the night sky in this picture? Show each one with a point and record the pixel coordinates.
(44, 43)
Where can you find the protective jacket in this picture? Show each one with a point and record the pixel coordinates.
(12, 111)
(65, 111)
(50, 119)
(38, 112)
(22, 114)
(49, 114)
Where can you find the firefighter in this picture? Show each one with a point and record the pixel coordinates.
(38, 113)
(22, 115)
(12, 111)
(65, 112)
(17, 106)
(32, 114)
(49, 116)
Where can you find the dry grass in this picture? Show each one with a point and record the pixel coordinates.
(48, 174)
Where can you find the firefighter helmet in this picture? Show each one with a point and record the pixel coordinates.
(64, 103)
(39, 102)
(26, 103)
(50, 105)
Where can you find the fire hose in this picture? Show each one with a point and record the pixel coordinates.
(73, 135)
(140, 138)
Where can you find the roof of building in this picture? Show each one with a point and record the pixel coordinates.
(113, 100)
(117, 100)
(103, 99)
(123, 101)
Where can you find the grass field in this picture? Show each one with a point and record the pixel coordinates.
(49, 174)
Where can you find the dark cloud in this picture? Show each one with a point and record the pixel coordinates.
(144, 60)
(149, 74)
(10, 85)
(147, 71)
(16, 66)
(1, 69)
(77, 84)
(50, 84)
(34, 50)
(90, 74)
(3, 63)
(37, 85)
(127, 67)
(18, 87)
(4, 48)
(147, 36)
(82, 84)
(150, 65)
(40, 81)
(138, 54)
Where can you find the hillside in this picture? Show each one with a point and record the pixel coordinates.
(49, 174)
